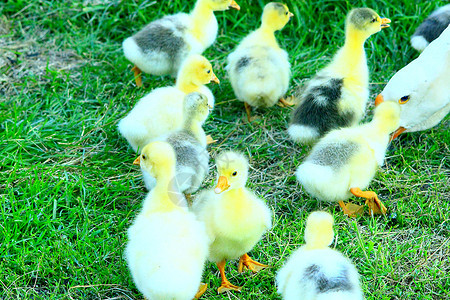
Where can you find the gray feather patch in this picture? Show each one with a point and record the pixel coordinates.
(334, 155)
(433, 26)
(159, 38)
(326, 284)
(360, 17)
(280, 7)
(190, 155)
(319, 105)
(242, 63)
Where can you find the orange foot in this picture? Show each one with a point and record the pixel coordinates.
(285, 102)
(201, 290)
(351, 210)
(374, 204)
(226, 285)
(247, 262)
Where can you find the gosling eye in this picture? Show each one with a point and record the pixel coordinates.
(234, 173)
(403, 99)
(287, 13)
(143, 156)
(209, 71)
(374, 20)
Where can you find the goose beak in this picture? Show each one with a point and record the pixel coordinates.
(290, 15)
(222, 185)
(137, 161)
(215, 79)
(385, 22)
(379, 99)
(234, 5)
(396, 133)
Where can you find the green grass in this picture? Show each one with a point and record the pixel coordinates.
(69, 190)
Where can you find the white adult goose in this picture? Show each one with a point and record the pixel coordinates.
(422, 87)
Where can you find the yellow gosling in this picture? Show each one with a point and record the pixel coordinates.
(344, 162)
(259, 69)
(167, 246)
(234, 216)
(314, 271)
(189, 145)
(161, 111)
(161, 47)
(337, 96)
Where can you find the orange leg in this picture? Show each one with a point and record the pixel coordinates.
(248, 109)
(137, 75)
(226, 285)
(188, 198)
(201, 290)
(247, 262)
(374, 204)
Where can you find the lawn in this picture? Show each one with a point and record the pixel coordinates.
(69, 190)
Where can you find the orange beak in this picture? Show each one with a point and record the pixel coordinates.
(379, 99)
(222, 185)
(137, 161)
(385, 22)
(396, 133)
(235, 5)
(214, 78)
(290, 15)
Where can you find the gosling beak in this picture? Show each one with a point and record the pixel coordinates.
(215, 79)
(396, 133)
(210, 107)
(385, 22)
(290, 15)
(379, 99)
(222, 185)
(137, 161)
(235, 5)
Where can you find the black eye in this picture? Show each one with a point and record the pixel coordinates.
(403, 99)
(143, 156)
(374, 20)
(209, 71)
(287, 13)
(234, 173)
